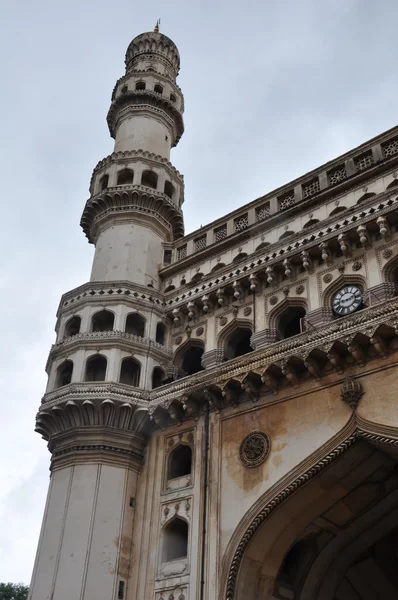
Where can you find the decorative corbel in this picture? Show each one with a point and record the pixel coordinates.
(364, 237)
(357, 352)
(289, 372)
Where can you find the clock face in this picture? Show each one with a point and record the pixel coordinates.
(347, 300)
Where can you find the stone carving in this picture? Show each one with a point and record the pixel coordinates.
(327, 278)
(247, 311)
(178, 339)
(254, 449)
(223, 321)
(387, 253)
(351, 392)
(273, 300)
(357, 266)
(199, 331)
(300, 289)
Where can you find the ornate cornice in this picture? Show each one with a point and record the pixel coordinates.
(275, 253)
(146, 100)
(101, 391)
(108, 339)
(131, 199)
(153, 42)
(360, 431)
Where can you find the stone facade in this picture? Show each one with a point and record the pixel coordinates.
(218, 430)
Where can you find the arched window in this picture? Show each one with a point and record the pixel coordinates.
(72, 326)
(140, 85)
(64, 373)
(158, 89)
(104, 182)
(392, 275)
(286, 235)
(392, 184)
(239, 257)
(158, 377)
(189, 358)
(96, 368)
(289, 322)
(130, 372)
(149, 179)
(135, 324)
(102, 321)
(124, 89)
(365, 197)
(169, 189)
(310, 223)
(173, 98)
(175, 540)
(160, 333)
(125, 177)
(237, 343)
(179, 462)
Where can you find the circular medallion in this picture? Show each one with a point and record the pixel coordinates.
(387, 253)
(199, 331)
(273, 300)
(300, 289)
(327, 278)
(223, 320)
(347, 300)
(357, 266)
(178, 339)
(254, 449)
(247, 311)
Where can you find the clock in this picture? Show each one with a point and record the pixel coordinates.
(347, 300)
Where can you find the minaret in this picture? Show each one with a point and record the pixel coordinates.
(112, 339)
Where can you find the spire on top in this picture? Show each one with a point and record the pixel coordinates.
(156, 29)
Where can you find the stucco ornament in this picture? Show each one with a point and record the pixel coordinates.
(387, 253)
(247, 311)
(273, 300)
(300, 289)
(351, 392)
(327, 278)
(254, 449)
(357, 266)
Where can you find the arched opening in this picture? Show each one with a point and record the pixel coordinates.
(168, 189)
(263, 245)
(72, 326)
(102, 321)
(337, 210)
(197, 277)
(149, 179)
(135, 324)
(286, 235)
(217, 267)
(158, 377)
(160, 333)
(130, 371)
(175, 540)
(96, 368)
(125, 177)
(124, 89)
(392, 275)
(189, 358)
(334, 538)
(310, 223)
(365, 197)
(140, 85)
(289, 322)
(237, 343)
(158, 89)
(64, 373)
(104, 181)
(392, 184)
(179, 463)
(173, 98)
(239, 257)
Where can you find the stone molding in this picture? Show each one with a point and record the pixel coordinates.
(153, 42)
(379, 293)
(319, 316)
(96, 390)
(356, 430)
(263, 338)
(131, 198)
(212, 358)
(330, 229)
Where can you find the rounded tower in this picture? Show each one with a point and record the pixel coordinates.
(135, 193)
(112, 341)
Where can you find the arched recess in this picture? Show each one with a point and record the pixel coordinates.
(365, 197)
(263, 245)
(95, 368)
(286, 235)
(217, 267)
(175, 540)
(161, 333)
(286, 319)
(394, 183)
(72, 326)
(130, 371)
(158, 377)
(239, 257)
(337, 210)
(149, 179)
(234, 340)
(325, 531)
(102, 320)
(188, 358)
(135, 324)
(125, 177)
(179, 462)
(169, 189)
(340, 282)
(390, 273)
(64, 374)
(104, 182)
(310, 223)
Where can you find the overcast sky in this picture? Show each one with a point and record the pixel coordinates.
(272, 90)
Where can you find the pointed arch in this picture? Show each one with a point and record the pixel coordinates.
(72, 326)
(135, 324)
(175, 540)
(239, 257)
(179, 461)
(286, 234)
(337, 210)
(188, 357)
(125, 177)
(161, 331)
(95, 370)
(286, 318)
(341, 281)
(310, 223)
(390, 273)
(102, 320)
(130, 372)
(64, 374)
(235, 338)
(365, 197)
(149, 179)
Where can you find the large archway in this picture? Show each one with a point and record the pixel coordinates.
(330, 535)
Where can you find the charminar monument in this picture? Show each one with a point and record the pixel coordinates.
(222, 407)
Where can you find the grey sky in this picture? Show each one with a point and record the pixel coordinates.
(272, 90)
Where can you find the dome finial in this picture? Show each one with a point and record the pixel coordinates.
(156, 29)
